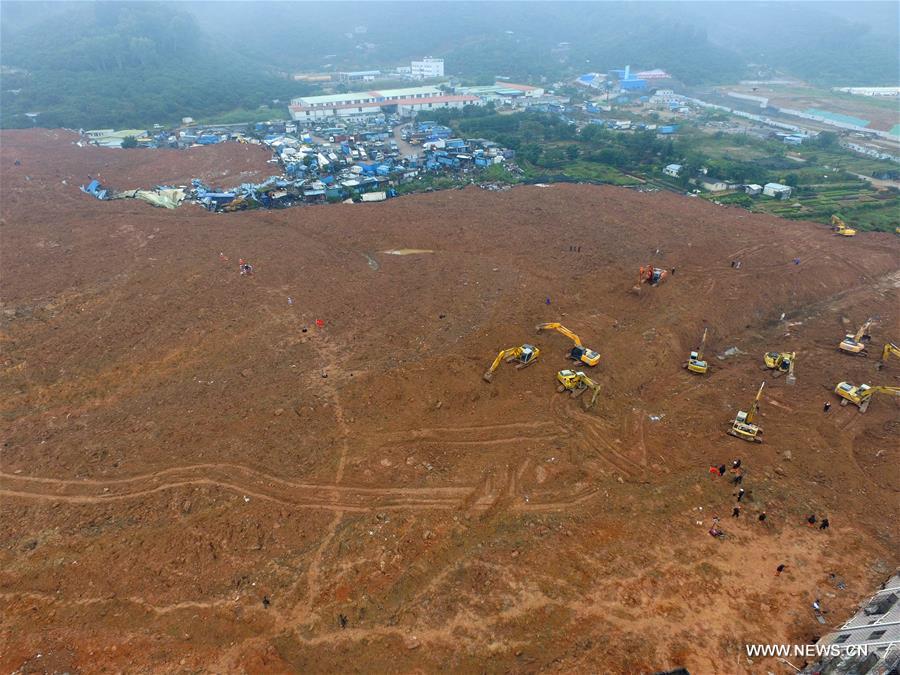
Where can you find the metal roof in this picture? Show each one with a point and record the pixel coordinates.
(408, 92)
(876, 626)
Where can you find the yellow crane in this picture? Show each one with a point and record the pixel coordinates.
(840, 227)
(862, 395)
(525, 355)
(577, 383)
(695, 362)
(579, 352)
(855, 344)
(780, 362)
(743, 425)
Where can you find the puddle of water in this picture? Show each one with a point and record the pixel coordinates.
(408, 251)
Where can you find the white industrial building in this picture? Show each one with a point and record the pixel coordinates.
(355, 104)
(672, 170)
(359, 76)
(427, 68)
(777, 190)
(870, 91)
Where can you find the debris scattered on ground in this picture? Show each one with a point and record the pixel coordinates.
(728, 353)
(408, 251)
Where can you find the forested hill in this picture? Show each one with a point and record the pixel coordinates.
(121, 64)
(132, 64)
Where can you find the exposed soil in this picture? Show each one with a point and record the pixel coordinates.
(181, 442)
(881, 115)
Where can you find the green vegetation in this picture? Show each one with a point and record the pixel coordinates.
(124, 65)
(823, 175)
(430, 183)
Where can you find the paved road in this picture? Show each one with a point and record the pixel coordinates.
(405, 148)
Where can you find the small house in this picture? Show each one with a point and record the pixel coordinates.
(713, 184)
(672, 170)
(753, 189)
(777, 190)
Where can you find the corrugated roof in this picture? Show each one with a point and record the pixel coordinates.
(449, 98)
(409, 92)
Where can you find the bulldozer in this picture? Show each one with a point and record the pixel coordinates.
(525, 355)
(577, 383)
(840, 227)
(862, 395)
(695, 362)
(743, 425)
(856, 344)
(652, 275)
(579, 352)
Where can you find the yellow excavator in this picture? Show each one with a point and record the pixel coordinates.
(890, 349)
(695, 362)
(780, 362)
(856, 344)
(743, 425)
(840, 227)
(579, 352)
(577, 383)
(525, 355)
(862, 395)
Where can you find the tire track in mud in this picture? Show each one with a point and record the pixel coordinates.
(590, 434)
(255, 484)
(303, 611)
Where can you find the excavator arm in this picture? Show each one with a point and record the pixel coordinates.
(862, 330)
(579, 352)
(754, 409)
(504, 354)
(871, 391)
(594, 387)
(562, 329)
(702, 345)
(890, 349)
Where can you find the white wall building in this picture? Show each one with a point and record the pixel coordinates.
(672, 170)
(358, 104)
(777, 190)
(870, 91)
(427, 68)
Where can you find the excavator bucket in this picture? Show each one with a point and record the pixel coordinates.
(488, 376)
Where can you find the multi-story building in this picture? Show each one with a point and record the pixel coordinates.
(869, 642)
(356, 104)
(427, 68)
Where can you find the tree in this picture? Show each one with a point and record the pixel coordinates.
(826, 139)
(129, 142)
(552, 158)
(572, 152)
(531, 152)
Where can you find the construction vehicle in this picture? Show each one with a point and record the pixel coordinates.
(743, 425)
(890, 349)
(862, 395)
(855, 344)
(577, 383)
(525, 355)
(695, 362)
(652, 275)
(840, 227)
(780, 362)
(579, 352)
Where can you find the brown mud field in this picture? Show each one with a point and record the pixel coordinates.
(197, 477)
